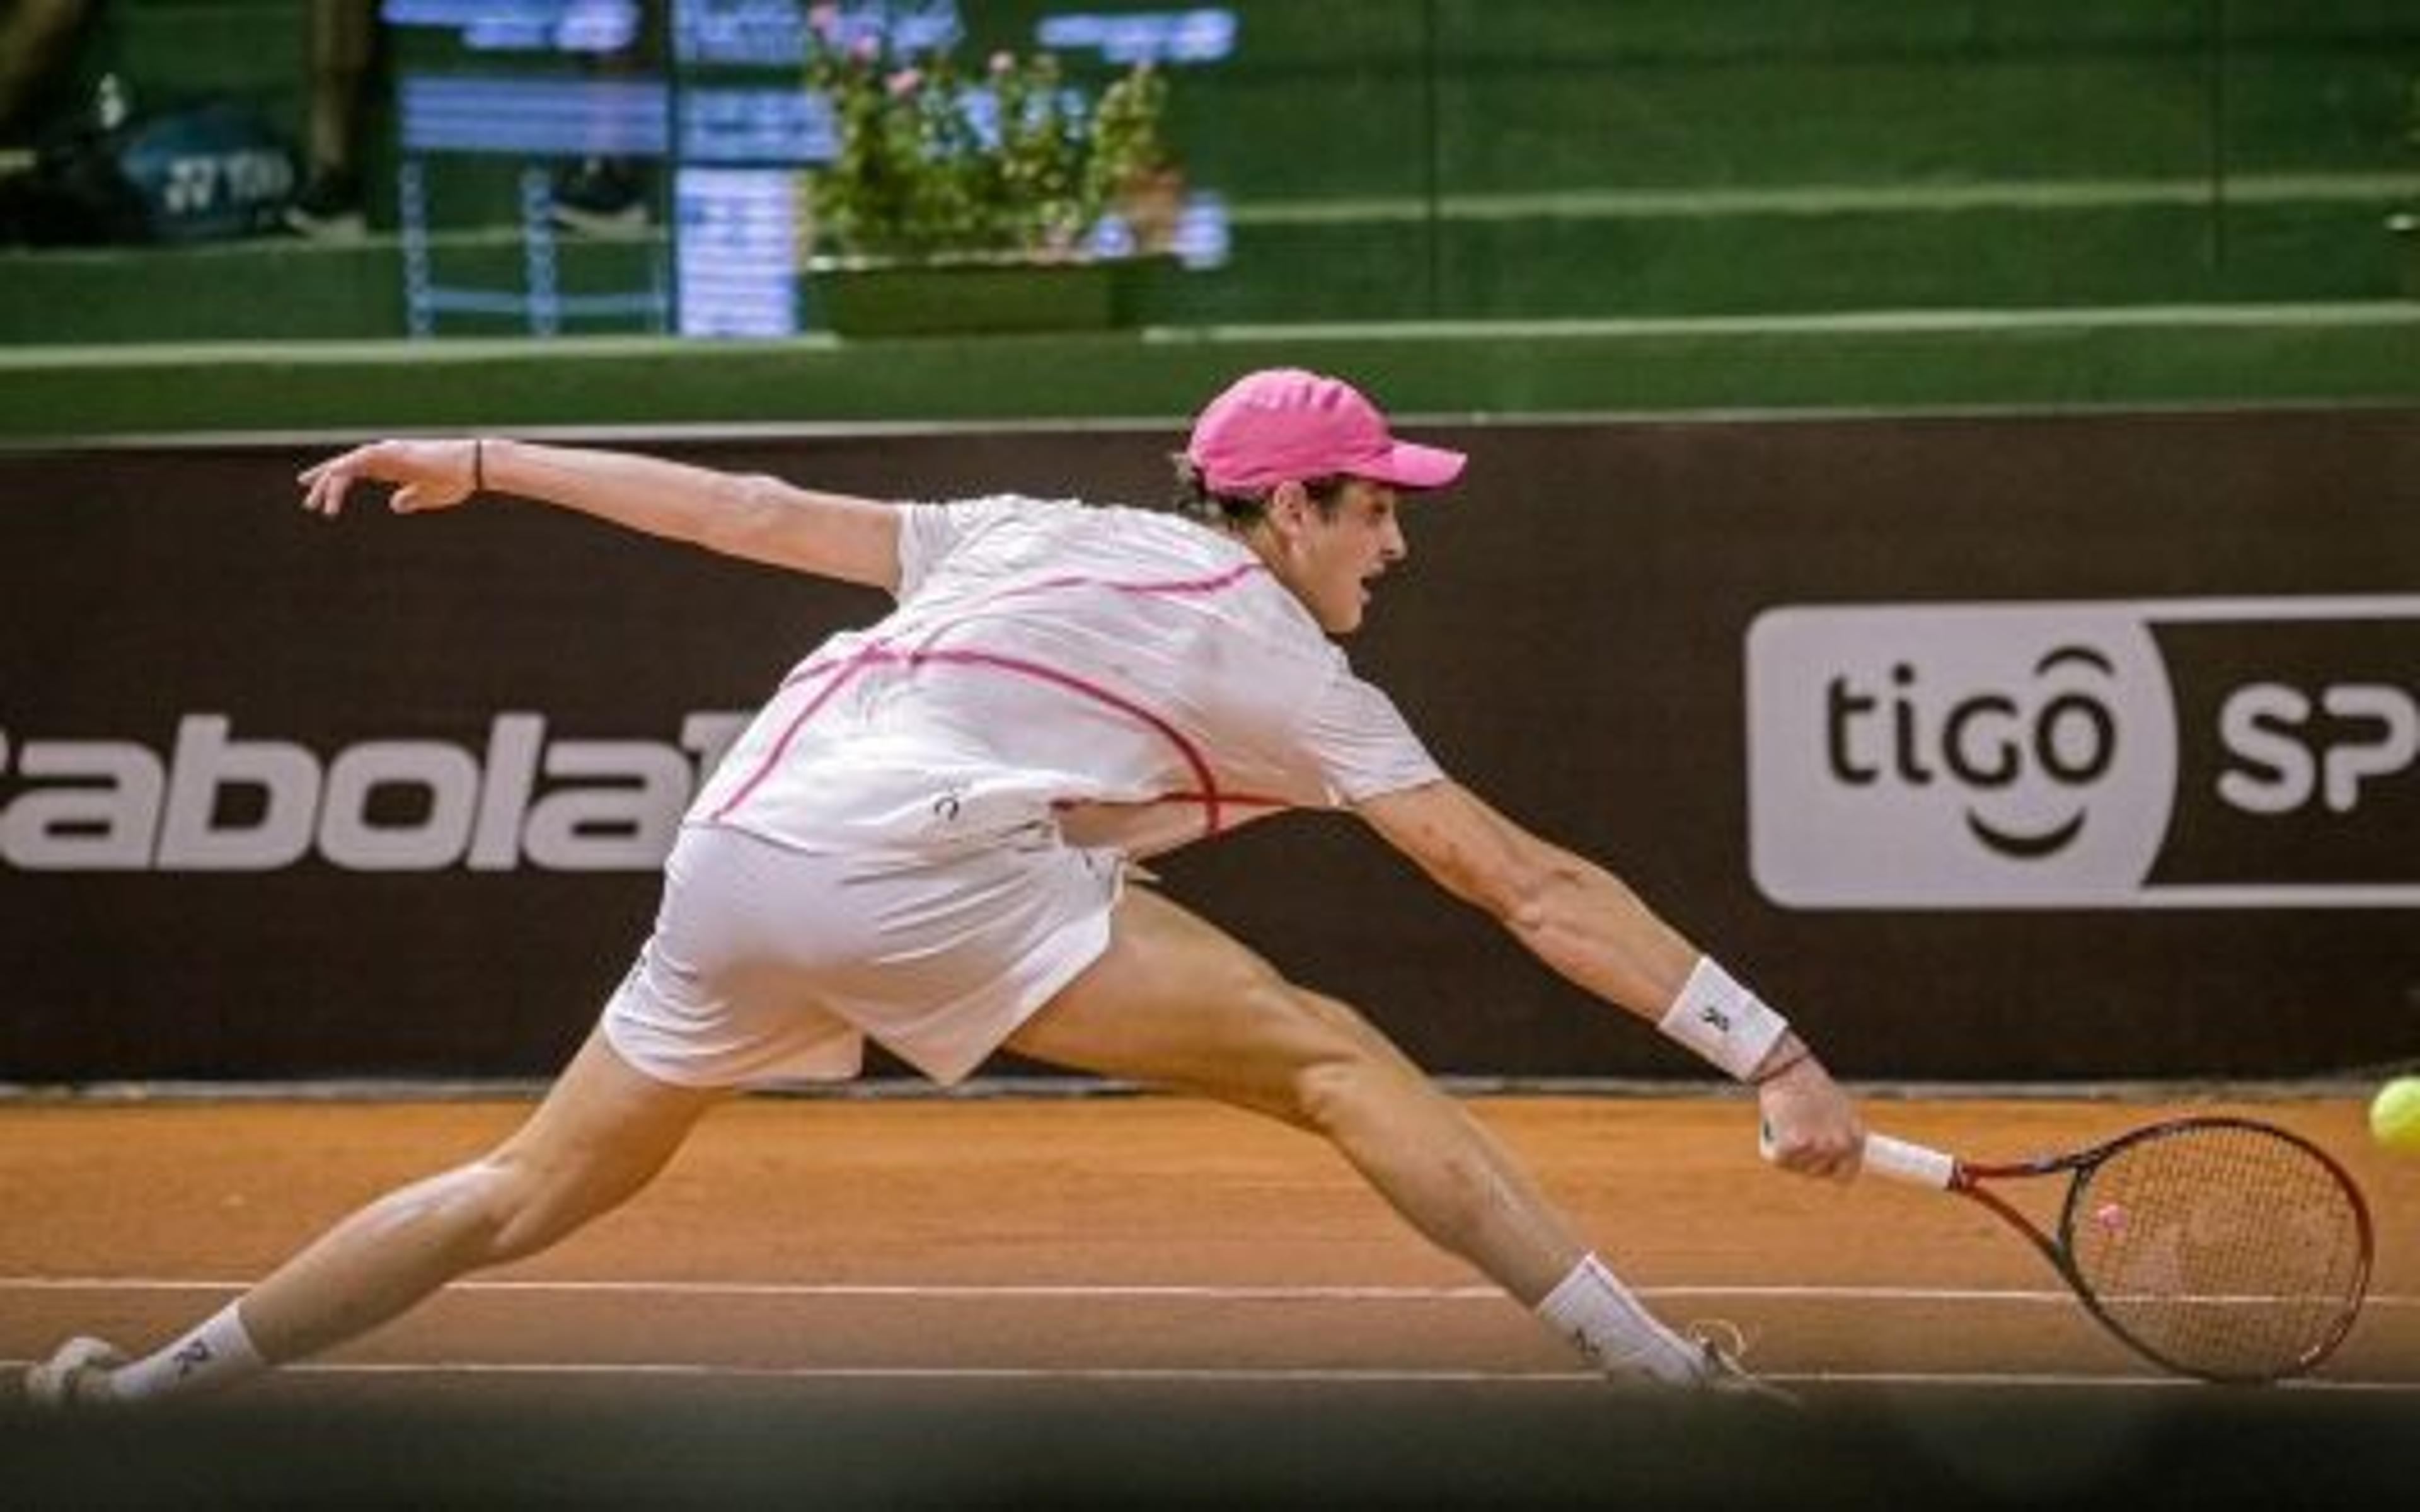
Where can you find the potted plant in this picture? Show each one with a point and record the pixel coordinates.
(952, 203)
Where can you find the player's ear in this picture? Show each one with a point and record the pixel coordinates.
(1288, 501)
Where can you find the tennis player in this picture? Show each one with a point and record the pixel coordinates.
(926, 838)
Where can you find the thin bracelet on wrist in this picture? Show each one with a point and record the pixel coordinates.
(1789, 1063)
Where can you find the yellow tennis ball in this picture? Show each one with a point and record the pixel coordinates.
(2395, 1116)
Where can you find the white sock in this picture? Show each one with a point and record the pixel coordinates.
(1593, 1312)
(218, 1353)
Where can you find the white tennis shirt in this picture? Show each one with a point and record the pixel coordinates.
(1134, 679)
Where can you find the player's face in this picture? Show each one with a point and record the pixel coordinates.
(1333, 558)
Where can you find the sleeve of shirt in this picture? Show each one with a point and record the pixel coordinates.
(929, 532)
(1362, 745)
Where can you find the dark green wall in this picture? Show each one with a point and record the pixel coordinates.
(1492, 159)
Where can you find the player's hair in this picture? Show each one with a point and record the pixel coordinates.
(1196, 500)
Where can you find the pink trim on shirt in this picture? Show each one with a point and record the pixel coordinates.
(1214, 583)
(1171, 587)
(878, 653)
(1232, 800)
(1191, 753)
(1209, 798)
(843, 671)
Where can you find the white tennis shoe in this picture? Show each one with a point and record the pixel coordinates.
(1719, 1370)
(77, 1379)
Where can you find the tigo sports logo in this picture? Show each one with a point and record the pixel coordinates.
(2154, 753)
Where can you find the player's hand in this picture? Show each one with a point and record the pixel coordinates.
(426, 475)
(1809, 1124)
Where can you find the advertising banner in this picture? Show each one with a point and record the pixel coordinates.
(1995, 746)
(2250, 753)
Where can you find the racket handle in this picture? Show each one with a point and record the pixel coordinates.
(1915, 1165)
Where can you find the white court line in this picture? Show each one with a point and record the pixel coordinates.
(1213, 1375)
(810, 1290)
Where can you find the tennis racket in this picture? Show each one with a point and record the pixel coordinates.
(2217, 1247)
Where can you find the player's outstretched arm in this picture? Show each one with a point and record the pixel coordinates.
(1590, 927)
(756, 518)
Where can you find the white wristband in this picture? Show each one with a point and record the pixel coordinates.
(1722, 1021)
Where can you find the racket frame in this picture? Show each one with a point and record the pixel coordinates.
(1915, 1164)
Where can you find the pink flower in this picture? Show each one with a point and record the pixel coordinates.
(1002, 62)
(906, 82)
(866, 48)
(823, 20)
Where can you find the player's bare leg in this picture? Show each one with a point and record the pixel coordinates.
(1178, 1002)
(601, 1132)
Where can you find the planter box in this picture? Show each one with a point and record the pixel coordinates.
(979, 297)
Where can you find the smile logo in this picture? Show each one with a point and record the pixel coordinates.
(1939, 755)
(2048, 741)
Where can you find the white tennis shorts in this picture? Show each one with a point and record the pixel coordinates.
(769, 963)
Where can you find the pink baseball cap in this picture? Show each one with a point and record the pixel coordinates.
(1286, 425)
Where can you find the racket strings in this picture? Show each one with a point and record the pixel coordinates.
(2231, 1252)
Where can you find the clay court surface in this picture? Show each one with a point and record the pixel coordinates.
(1140, 1261)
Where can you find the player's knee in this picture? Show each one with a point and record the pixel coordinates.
(1344, 1086)
(461, 1213)
(530, 1206)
